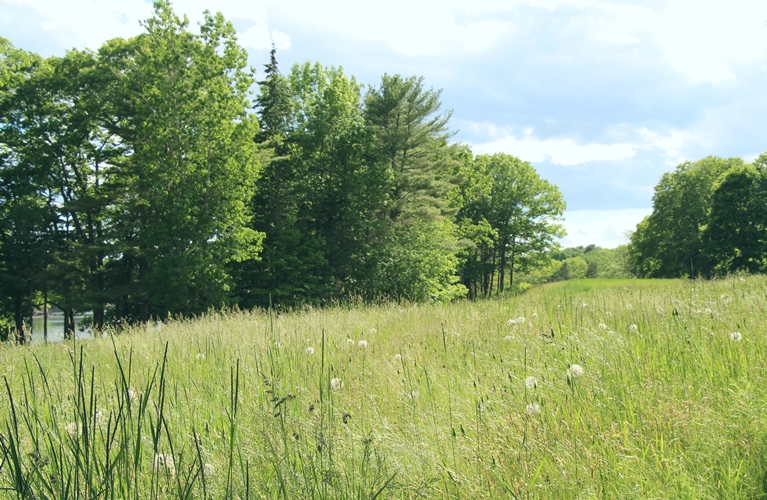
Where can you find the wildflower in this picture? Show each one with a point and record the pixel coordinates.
(132, 395)
(508, 337)
(414, 395)
(533, 409)
(516, 321)
(310, 350)
(736, 336)
(335, 383)
(708, 311)
(397, 357)
(633, 328)
(200, 356)
(163, 461)
(585, 304)
(373, 330)
(535, 315)
(531, 382)
(73, 429)
(349, 341)
(602, 326)
(576, 371)
(362, 344)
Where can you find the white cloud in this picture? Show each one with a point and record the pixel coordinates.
(561, 151)
(605, 228)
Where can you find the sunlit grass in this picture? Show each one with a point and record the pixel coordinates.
(437, 403)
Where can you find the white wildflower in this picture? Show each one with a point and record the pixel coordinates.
(531, 382)
(200, 356)
(373, 330)
(633, 328)
(736, 336)
(585, 304)
(533, 409)
(349, 341)
(576, 371)
(132, 395)
(516, 321)
(535, 315)
(708, 311)
(163, 461)
(335, 383)
(508, 337)
(362, 344)
(398, 357)
(602, 326)
(310, 350)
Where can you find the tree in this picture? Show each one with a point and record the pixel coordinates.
(667, 243)
(735, 237)
(179, 104)
(522, 209)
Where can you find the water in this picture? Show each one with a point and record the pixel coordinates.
(56, 327)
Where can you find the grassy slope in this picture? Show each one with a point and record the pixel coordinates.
(435, 405)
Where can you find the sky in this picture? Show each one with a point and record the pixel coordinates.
(602, 97)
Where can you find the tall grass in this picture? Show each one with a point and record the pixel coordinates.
(266, 405)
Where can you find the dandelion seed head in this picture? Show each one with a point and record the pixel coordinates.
(73, 429)
(508, 337)
(398, 357)
(708, 311)
(736, 336)
(535, 315)
(576, 370)
(531, 382)
(633, 328)
(200, 356)
(362, 344)
(602, 326)
(209, 470)
(533, 409)
(310, 350)
(349, 341)
(373, 330)
(163, 461)
(132, 395)
(335, 383)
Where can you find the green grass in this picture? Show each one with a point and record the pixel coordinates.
(587, 285)
(435, 406)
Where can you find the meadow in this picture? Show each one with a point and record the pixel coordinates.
(612, 389)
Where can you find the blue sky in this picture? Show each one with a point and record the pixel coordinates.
(601, 96)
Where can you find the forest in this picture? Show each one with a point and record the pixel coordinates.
(147, 180)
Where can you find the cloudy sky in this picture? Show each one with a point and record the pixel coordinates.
(601, 96)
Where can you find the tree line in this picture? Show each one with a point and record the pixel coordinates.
(143, 180)
(709, 219)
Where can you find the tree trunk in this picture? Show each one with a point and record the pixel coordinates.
(143, 314)
(513, 255)
(502, 268)
(21, 333)
(69, 323)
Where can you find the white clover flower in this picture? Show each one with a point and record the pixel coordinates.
(576, 371)
(310, 350)
(200, 356)
(736, 336)
(398, 357)
(73, 429)
(533, 409)
(163, 461)
(602, 326)
(531, 382)
(335, 383)
(349, 341)
(633, 328)
(362, 344)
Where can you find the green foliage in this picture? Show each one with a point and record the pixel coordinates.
(735, 238)
(504, 194)
(571, 269)
(668, 242)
